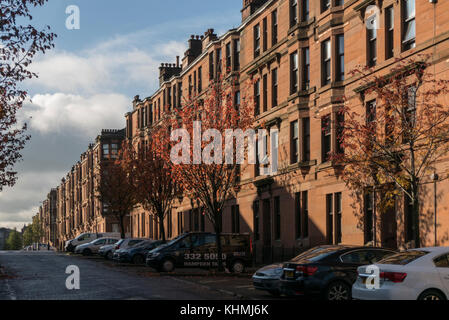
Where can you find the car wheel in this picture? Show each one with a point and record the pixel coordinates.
(168, 266)
(87, 252)
(432, 295)
(138, 259)
(338, 291)
(109, 255)
(238, 266)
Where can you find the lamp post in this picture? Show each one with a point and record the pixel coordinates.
(435, 178)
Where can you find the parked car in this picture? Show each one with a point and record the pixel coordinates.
(137, 253)
(93, 247)
(328, 271)
(416, 274)
(70, 245)
(268, 278)
(108, 251)
(198, 249)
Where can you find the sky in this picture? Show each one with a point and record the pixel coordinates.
(87, 82)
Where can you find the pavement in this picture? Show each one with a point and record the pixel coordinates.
(42, 276)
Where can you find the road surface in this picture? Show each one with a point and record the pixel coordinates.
(42, 276)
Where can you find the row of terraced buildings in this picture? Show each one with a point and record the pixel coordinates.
(297, 54)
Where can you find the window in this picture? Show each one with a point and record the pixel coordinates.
(326, 62)
(330, 218)
(228, 57)
(265, 35)
(389, 32)
(442, 261)
(105, 150)
(200, 79)
(369, 215)
(325, 5)
(339, 132)
(326, 138)
(180, 223)
(265, 92)
(339, 3)
(211, 65)
(305, 139)
(277, 217)
(274, 27)
(194, 82)
(196, 220)
(219, 62)
(237, 100)
(302, 215)
(305, 10)
(404, 258)
(371, 34)
(190, 86)
(306, 69)
(257, 98)
(256, 41)
(338, 215)
(235, 219)
(169, 225)
(340, 39)
(256, 220)
(371, 111)
(305, 214)
(359, 257)
(293, 73)
(409, 113)
(293, 12)
(408, 24)
(236, 55)
(274, 88)
(294, 132)
(114, 150)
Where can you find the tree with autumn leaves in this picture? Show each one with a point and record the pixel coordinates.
(393, 146)
(116, 187)
(156, 186)
(205, 176)
(20, 42)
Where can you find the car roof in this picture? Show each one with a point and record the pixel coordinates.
(432, 249)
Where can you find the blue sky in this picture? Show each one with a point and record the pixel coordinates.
(87, 82)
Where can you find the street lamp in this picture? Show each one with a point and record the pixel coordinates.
(435, 178)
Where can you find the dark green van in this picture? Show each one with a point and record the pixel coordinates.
(199, 250)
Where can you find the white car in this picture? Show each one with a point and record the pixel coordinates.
(93, 247)
(417, 274)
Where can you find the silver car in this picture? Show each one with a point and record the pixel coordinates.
(93, 247)
(267, 278)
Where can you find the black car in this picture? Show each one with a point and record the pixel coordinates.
(328, 271)
(198, 250)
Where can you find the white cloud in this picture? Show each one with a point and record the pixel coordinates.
(112, 66)
(60, 112)
(18, 207)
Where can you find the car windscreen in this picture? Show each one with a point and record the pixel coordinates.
(404, 258)
(316, 254)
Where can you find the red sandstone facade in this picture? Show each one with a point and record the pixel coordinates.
(298, 54)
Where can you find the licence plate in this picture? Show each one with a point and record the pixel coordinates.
(289, 273)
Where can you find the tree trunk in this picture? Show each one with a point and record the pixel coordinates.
(415, 215)
(122, 227)
(161, 228)
(218, 241)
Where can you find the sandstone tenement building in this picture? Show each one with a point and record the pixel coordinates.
(298, 54)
